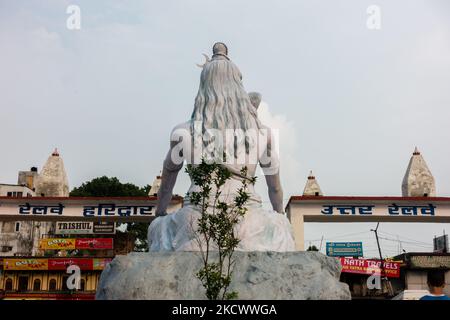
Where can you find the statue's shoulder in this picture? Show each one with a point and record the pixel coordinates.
(182, 126)
(179, 128)
(182, 130)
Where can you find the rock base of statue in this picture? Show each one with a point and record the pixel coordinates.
(257, 275)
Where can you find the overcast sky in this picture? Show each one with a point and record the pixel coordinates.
(351, 103)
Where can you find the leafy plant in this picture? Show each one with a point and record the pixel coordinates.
(216, 226)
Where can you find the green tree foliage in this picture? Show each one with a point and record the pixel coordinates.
(112, 187)
(312, 248)
(215, 230)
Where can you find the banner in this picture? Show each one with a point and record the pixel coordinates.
(25, 264)
(76, 243)
(63, 263)
(57, 244)
(51, 264)
(369, 267)
(94, 243)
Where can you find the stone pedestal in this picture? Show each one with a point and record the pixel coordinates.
(257, 275)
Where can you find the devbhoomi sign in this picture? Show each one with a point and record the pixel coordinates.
(83, 209)
(301, 209)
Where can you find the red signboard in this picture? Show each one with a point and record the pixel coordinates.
(56, 263)
(369, 267)
(94, 243)
(63, 263)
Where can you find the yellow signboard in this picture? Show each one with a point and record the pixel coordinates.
(57, 244)
(25, 264)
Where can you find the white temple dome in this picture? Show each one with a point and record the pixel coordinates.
(418, 180)
(52, 180)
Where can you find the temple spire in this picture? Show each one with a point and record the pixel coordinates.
(155, 186)
(418, 180)
(312, 188)
(52, 180)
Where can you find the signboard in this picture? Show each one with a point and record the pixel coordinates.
(429, 262)
(55, 263)
(76, 243)
(104, 227)
(304, 209)
(85, 227)
(57, 244)
(344, 249)
(369, 267)
(62, 264)
(440, 244)
(25, 264)
(94, 243)
(36, 209)
(78, 227)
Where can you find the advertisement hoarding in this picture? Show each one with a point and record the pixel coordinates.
(76, 243)
(57, 244)
(369, 267)
(25, 264)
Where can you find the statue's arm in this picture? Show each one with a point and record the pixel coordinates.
(168, 179)
(275, 192)
(270, 165)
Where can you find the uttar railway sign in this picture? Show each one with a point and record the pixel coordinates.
(82, 208)
(301, 209)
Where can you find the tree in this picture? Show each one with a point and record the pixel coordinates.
(112, 187)
(312, 248)
(215, 229)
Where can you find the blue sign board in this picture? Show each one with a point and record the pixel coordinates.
(344, 249)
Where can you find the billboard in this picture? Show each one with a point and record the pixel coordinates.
(57, 244)
(86, 227)
(63, 263)
(25, 264)
(344, 249)
(76, 243)
(369, 267)
(94, 243)
(55, 263)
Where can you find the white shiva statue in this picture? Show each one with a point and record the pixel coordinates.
(224, 121)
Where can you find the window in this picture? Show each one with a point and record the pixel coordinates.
(6, 248)
(82, 285)
(17, 228)
(52, 285)
(23, 283)
(9, 194)
(20, 194)
(37, 285)
(9, 284)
